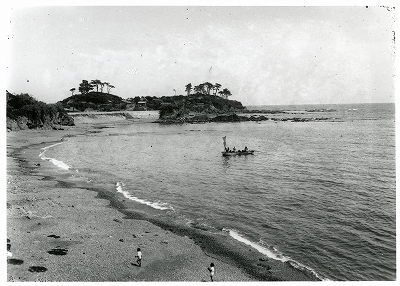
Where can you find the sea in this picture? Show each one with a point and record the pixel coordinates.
(320, 194)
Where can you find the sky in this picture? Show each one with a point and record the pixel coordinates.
(265, 55)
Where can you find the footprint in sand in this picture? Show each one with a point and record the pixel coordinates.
(37, 269)
(14, 261)
(58, 251)
(9, 254)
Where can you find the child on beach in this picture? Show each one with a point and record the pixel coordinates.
(139, 257)
(211, 269)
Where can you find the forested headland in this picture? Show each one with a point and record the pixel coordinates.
(26, 112)
(199, 101)
(198, 104)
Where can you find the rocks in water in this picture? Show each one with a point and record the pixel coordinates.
(234, 118)
(228, 118)
(258, 118)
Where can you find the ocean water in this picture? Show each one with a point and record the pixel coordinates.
(319, 194)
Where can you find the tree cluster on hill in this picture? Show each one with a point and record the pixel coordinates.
(206, 98)
(206, 88)
(93, 101)
(181, 106)
(88, 99)
(25, 112)
(85, 86)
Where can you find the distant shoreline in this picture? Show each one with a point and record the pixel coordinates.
(243, 116)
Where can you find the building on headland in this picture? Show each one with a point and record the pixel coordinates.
(141, 104)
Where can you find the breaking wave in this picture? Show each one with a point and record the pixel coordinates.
(156, 205)
(56, 162)
(273, 253)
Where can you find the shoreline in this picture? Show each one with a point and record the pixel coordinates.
(46, 212)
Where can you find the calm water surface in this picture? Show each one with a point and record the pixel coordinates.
(320, 194)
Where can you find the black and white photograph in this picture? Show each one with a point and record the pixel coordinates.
(200, 142)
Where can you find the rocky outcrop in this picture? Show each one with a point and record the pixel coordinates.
(23, 123)
(229, 118)
(237, 118)
(25, 112)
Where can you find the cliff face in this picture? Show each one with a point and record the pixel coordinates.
(24, 123)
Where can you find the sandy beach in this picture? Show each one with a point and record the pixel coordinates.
(60, 233)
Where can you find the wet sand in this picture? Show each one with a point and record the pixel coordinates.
(60, 232)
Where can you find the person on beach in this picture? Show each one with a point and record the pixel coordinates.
(211, 269)
(139, 257)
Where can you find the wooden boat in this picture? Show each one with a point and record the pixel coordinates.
(228, 152)
(238, 153)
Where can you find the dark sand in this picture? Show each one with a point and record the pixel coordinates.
(59, 232)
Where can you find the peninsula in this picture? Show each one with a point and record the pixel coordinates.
(205, 104)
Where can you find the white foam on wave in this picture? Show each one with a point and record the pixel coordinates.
(51, 146)
(155, 205)
(56, 162)
(258, 247)
(59, 164)
(300, 266)
(275, 254)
